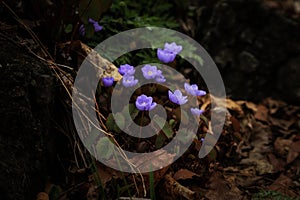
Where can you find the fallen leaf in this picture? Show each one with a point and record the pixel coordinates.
(175, 190)
(249, 105)
(262, 113)
(296, 146)
(282, 146)
(183, 174)
(283, 184)
(221, 189)
(146, 161)
(93, 193)
(291, 156)
(281, 123)
(42, 196)
(273, 105)
(229, 104)
(106, 174)
(277, 163)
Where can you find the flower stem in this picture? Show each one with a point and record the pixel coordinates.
(141, 126)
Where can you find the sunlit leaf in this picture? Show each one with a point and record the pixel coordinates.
(172, 123)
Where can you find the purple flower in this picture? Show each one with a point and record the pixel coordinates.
(149, 71)
(173, 47)
(159, 77)
(126, 70)
(96, 25)
(196, 111)
(82, 30)
(177, 97)
(129, 81)
(165, 56)
(144, 103)
(108, 81)
(193, 90)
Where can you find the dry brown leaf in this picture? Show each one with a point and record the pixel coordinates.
(248, 105)
(184, 174)
(42, 196)
(102, 65)
(282, 146)
(158, 175)
(277, 163)
(283, 184)
(106, 173)
(93, 193)
(292, 155)
(235, 124)
(175, 190)
(221, 189)
(247, 177)
(262, 113)
(156, 160)
(229, 104)
(273, 105)
(261, 140)
(281, 123)
(296, 146)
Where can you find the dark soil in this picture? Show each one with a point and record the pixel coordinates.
(26, 104)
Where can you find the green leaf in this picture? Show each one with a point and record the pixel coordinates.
(184, 135)
(110, 122)
(120, 120)
(159, 142)
(204, 119)
(92, 9)
(165, 127)
(105, 148)
(185, 117)
(91, 139)
(55, 192)
(212, 156)
(132, 110)
(182, 115)
(68, 28)
(112, 125)
(172, 123)
(89, 31)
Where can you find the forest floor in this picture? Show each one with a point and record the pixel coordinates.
(256, 156)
